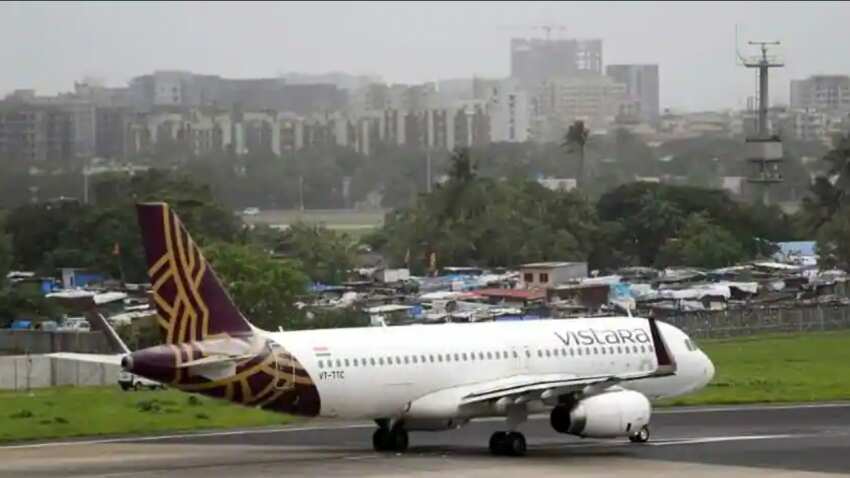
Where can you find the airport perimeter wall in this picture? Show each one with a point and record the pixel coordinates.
(24, 372)
(45, 342)
(743, 322)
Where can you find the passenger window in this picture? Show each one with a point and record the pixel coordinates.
(572, 353)
(642, 350)
(431, 358)
(406, 359)
(619, 349)
(321, 365)
(528, 354)
(602, 349)
(595, 351)
(540, 353)
(548, 353)
(423, 358)
(439, 357)
(381, 361)
(515, 354)
(457, 357)
(464, 356)
(372, 361)
(346, 363)
(338, 363)
(489, 356)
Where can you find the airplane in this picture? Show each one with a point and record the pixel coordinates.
(595, 377)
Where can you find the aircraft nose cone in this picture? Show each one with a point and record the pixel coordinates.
(709, 370)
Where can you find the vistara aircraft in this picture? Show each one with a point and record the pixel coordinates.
(595, 377)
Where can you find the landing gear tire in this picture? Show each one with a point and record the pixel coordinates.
(642, 436)
(394, 439)
(508, 444)
(379, 439)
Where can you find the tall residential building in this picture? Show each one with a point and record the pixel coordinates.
(180, 89)
(534, 60)
(642, 88)
(30, 132)
(594, 99)
(509, 110)
(822, 92)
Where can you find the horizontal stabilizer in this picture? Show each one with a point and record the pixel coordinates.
(110, 359)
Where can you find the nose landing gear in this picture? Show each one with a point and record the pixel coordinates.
(642, 435)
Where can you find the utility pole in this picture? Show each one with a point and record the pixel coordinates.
(301, 192)
(765, 149)
(428, 170)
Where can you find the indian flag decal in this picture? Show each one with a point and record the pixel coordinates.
(321, 352)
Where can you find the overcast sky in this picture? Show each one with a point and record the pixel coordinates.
(47, 46)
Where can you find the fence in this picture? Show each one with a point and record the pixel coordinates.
(742, 322)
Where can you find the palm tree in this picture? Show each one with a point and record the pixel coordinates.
(574, 141)
(462, 169)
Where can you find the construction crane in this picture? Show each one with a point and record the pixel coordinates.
(548, 28)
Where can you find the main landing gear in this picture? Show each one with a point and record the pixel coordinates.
(642, 435)
(388, 438)
(510, 443)
(507, 444)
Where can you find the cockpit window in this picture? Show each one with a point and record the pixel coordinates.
(691, 345)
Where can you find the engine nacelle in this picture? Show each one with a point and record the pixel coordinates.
(606, 415)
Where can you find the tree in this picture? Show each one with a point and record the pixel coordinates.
(68, 234)
(829, 192)
(5, 254)
(700, 243)
(263, 288)
(324, 254)
(575, 140)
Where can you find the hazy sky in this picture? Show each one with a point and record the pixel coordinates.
(47, 46)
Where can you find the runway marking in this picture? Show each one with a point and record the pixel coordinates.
(184, 435)
(696, 441)
(371, 425)
(745, 408)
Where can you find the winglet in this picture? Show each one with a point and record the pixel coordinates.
(666, 360)
(99, 322)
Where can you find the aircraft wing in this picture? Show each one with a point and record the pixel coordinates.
(544, 386)
(110, 359)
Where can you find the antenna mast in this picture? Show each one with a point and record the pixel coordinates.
(765, 147)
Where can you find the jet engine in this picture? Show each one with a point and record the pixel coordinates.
(607, 415)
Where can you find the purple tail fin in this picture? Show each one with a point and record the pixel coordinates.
(189, 297)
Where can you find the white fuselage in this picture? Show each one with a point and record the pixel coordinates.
(375, 372)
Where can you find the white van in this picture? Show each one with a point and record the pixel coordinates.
(128, 381)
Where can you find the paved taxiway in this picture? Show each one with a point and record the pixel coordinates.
(781, 441)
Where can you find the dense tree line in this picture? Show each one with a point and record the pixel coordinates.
(488, 222)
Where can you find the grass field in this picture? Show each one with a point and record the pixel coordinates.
(68, 412)
(781, 368)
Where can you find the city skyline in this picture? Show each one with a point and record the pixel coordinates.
(693, 44)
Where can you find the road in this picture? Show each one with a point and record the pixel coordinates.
(784, 441)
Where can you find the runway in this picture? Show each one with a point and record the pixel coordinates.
(806, 440)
